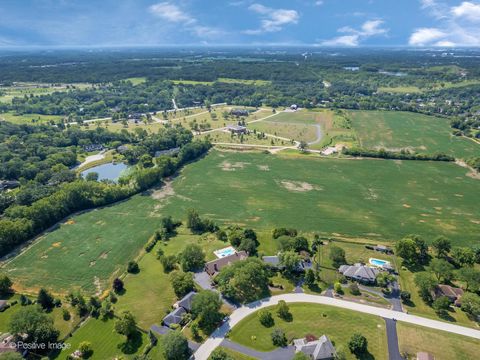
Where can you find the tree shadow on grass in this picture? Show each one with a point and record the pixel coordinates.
(314, 288)
(365, 356)
(132, 344)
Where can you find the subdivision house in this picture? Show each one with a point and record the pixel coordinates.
(214, 266)
(359, 272)
(237, 129)
(93, 147)
(239, 112)
(454, 294)
(182, 306)
(321, 349)
(168, 152)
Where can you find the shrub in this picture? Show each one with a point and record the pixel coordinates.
(279, 338)
(283, 311)
(358, 344)
(354, 290)
(86, 349)
(132, 267)
(337, 287)
(66, 315)
(405, 296)
(266, 318)
(117, 285)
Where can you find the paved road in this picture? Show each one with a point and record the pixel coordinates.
(285, 353)
(218, 335)
(392, 340)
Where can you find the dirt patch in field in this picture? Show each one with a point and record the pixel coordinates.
(57, 244)
(70, 222)
(473, 175)
(406, 206)
(98, 286)
(227, 166)
(92, 263)
(104, 255)
(165, 191)
(433, 199)
(475, 221)
(100, 222)
(298, 186)
(263, 167)
(458, 195)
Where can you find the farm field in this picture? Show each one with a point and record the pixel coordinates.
(338, 324)
(29, 118)
(399, 130)
(376, 199)
(85, 251)
(443, 345)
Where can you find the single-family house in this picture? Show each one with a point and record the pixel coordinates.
(383, 249)
(3, 304)
(214, 266)
(237, 129)
(122, 149)
(359, 272)
(422, 355)
(186, 301)
(454, 294)
(168, 152)
(174, 317)
(9, 184)
(318, 349)
(294, 107)
(93, 147)
(273, 261)
(239, 112)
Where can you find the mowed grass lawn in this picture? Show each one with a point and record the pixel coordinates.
(87, 250)
(443, 345)
(376, 199)
(421, 133)
(338, 324)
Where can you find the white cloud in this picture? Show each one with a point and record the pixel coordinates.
(425, 36)
(175, 14)
(457, 25)
(355, 37)
(467, 10)
(273, 20)
(171, 12)
(318, 3)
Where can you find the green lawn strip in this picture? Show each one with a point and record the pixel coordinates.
(29, 118)
(236, 355)
(421, 133)
(105, 342)
(338, 324)
(443, 345)
(137, 80)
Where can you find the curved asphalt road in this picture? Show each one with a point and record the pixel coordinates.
(218, 335)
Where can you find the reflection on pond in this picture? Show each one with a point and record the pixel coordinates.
(111, 171)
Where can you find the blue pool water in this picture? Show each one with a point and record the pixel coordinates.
(224, 252)
(378, 262)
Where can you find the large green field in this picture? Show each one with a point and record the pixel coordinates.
(338, 324)
(400, 130)
(378, 199)
(85, 251)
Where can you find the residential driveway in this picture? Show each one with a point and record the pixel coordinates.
(392, 340)
(203, 280)
(240, 313)
(162, 330)
(393, 299)
(285, 353)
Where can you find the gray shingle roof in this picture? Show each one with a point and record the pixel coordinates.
(186, 301)
(359, 272)
(318, 350)
(174, 317)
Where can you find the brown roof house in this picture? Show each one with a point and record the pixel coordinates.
(214, 266)
(321, 349)
(454, 294)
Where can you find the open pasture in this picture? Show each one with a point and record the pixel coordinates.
(374, 199)
(403, 130)
(29, 118)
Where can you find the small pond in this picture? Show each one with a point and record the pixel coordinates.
(111, 171)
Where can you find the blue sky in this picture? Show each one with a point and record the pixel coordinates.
(225, 22)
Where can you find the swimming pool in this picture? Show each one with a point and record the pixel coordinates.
(378, 262)
(224, 252)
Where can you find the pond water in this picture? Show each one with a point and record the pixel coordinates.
(111, 171)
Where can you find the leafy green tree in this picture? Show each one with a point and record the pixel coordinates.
(132, 267)
(405, 296)
(283, 311)
(168, 262)
(118, 285)
(220, 354)
(300, 356)
(126, 324)
(406, 249)
(300, 244)
(337, 255)
(175, 346)
(279, 338)
(85, 348)
(91, 176)
(463, 256)
(36, 325)
(290, 260)
(206, 307)
(45, 299)
(441, 305)
(309, 278)
(5, 284)
(425, 284)
(265, 317)
(358, 344)
(192, 258)
(471, 304)
(442, 246)
(471, 277)
(182, 283)
(384, 279)
(442, 269)
(11, 356)
(244, 281)
(194, 222)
